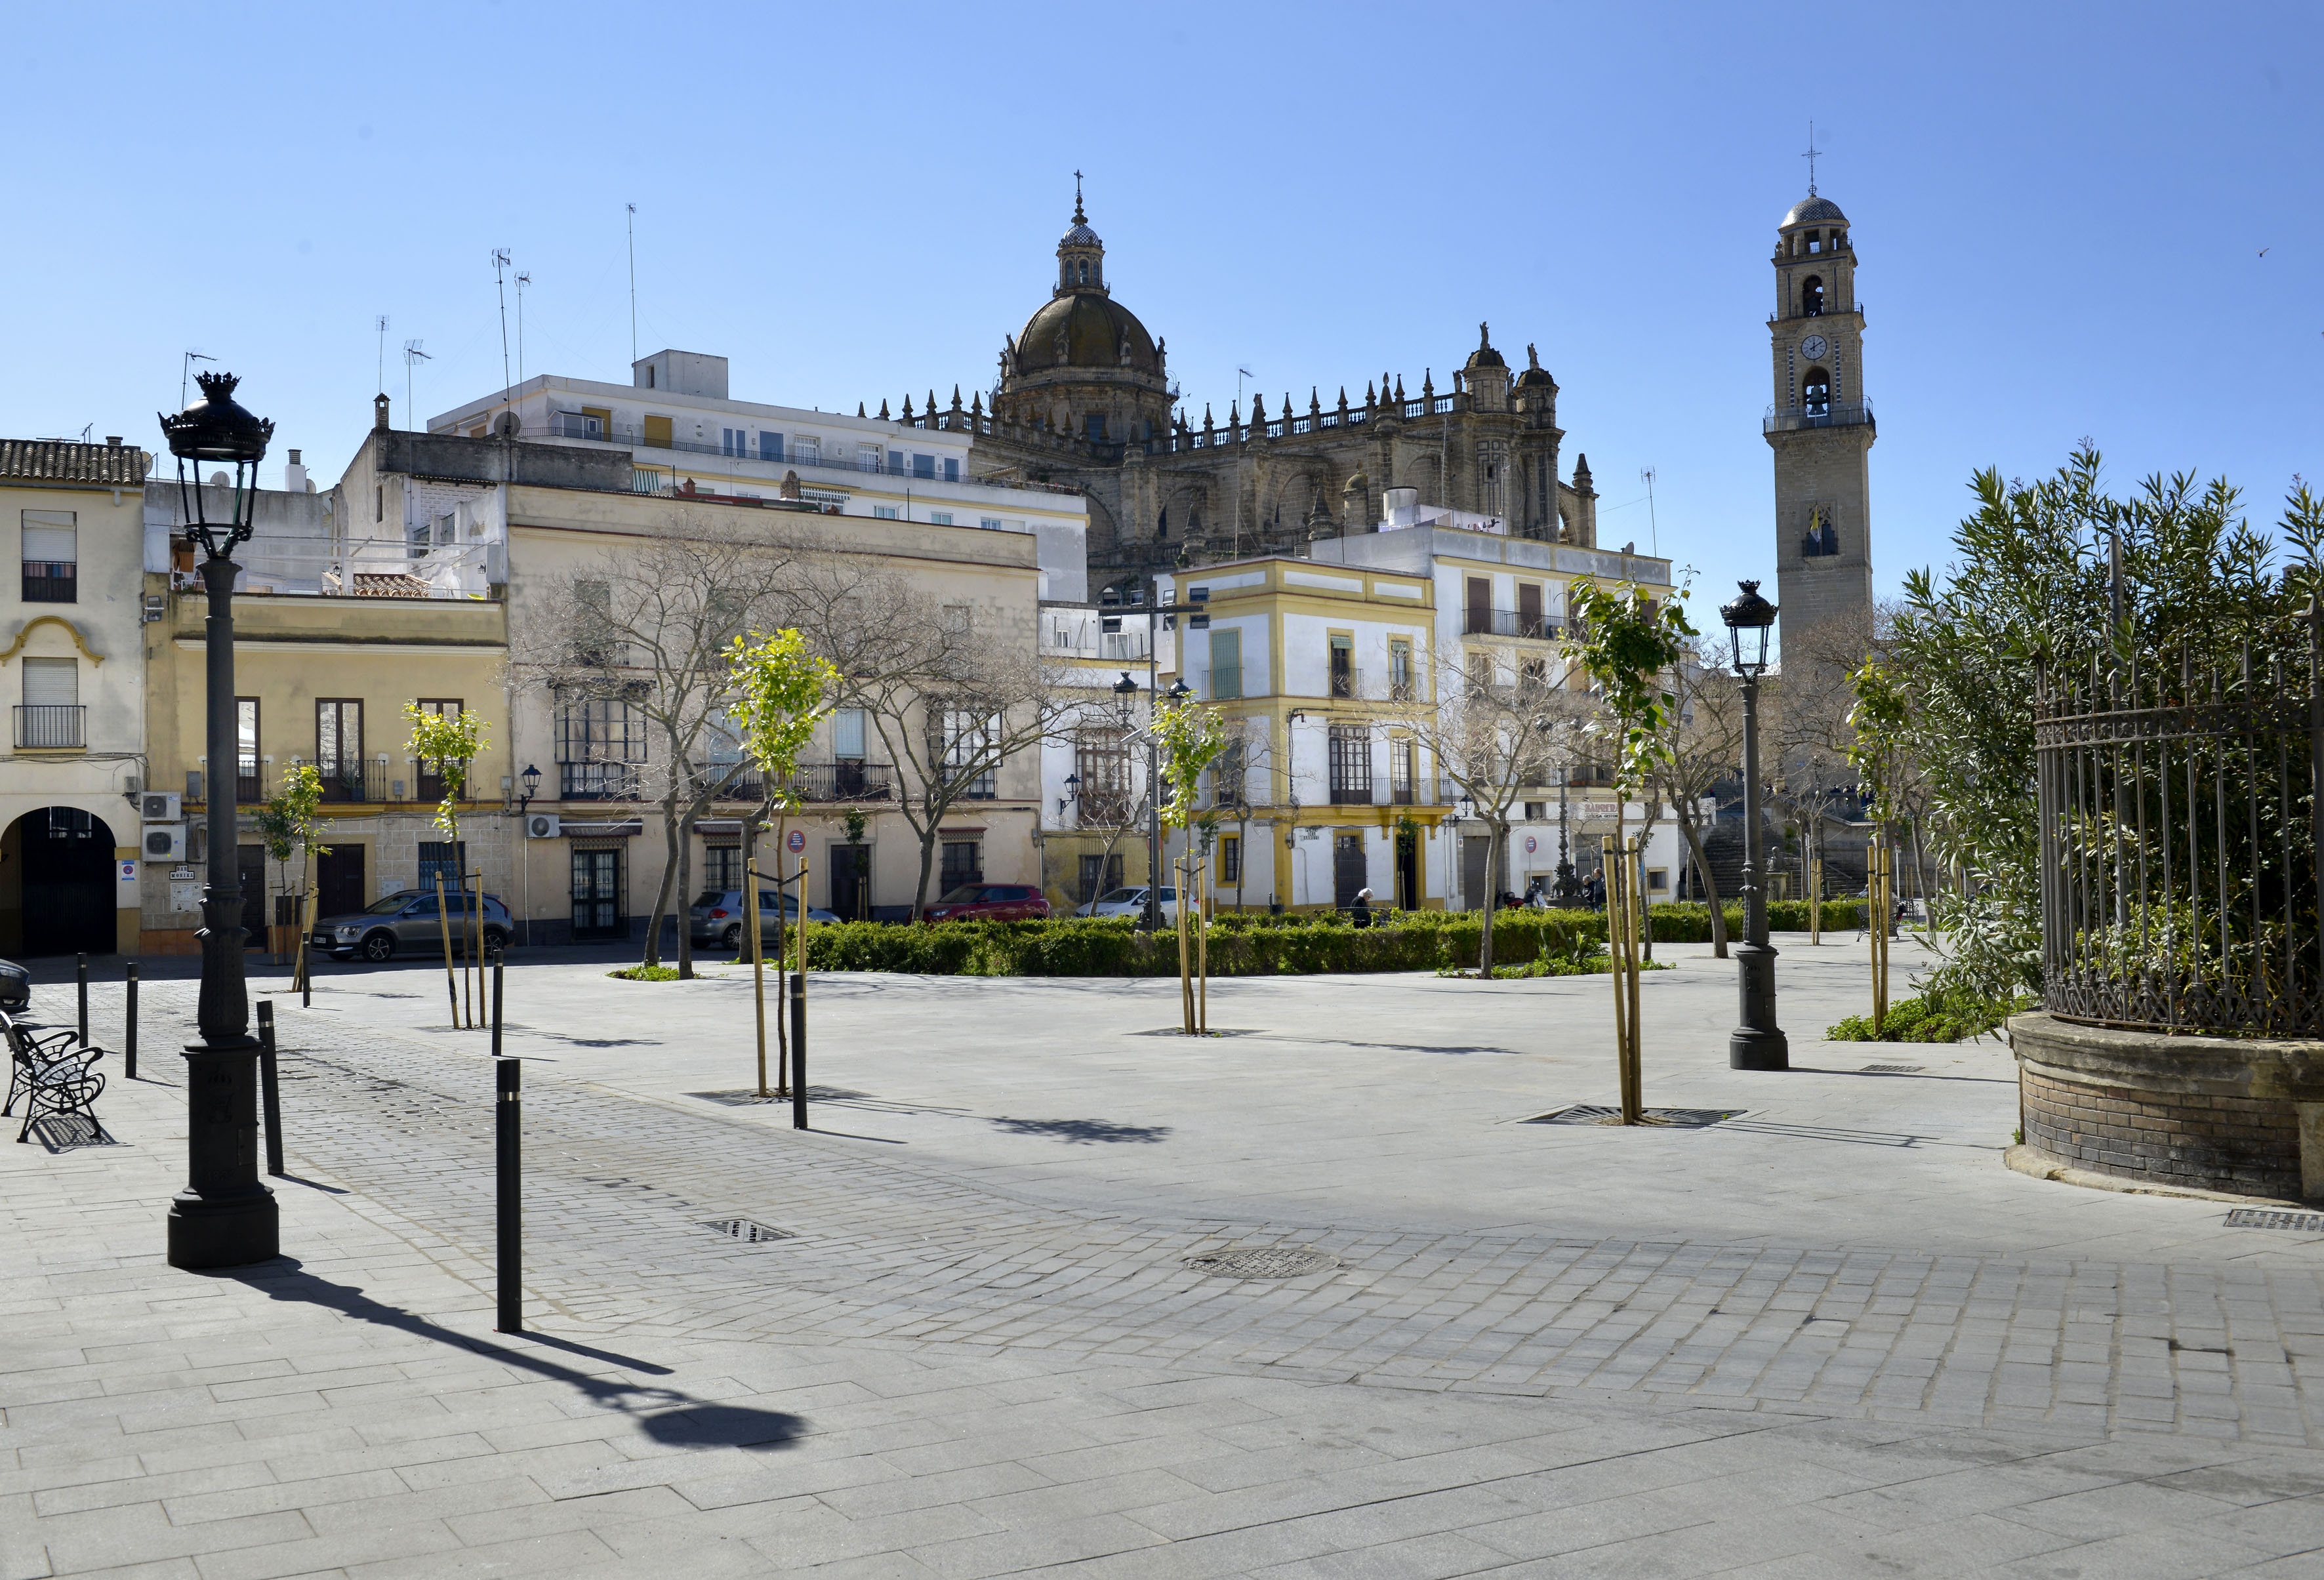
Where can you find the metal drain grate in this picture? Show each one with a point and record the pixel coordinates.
(1273, 1262)
(2257, 1218)
(749, 1232)
(1894, 1069)
(1667, 1118)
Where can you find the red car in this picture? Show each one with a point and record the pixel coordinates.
(990, 902)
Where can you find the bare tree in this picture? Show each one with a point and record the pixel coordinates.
(1703, 739)
(631, 647)
(1110, 799)
(951, 704)
(1493, 722)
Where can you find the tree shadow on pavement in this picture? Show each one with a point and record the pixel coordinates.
(1082, 1131)
(667, 1415)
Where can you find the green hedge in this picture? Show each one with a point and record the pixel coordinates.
(1252, 944)
(1689, 922)
(1241, 945)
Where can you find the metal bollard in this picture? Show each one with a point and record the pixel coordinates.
(129, 1032)
(84, 1000)
(798, 1051)
(496, 1005)
(270, 1094)
(510, 1197)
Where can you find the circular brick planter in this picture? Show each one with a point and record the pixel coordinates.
(2222, 1114)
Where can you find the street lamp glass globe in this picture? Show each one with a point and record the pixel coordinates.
(1749, 619)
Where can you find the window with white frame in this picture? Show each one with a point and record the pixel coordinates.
(806, 449)
(966, 740)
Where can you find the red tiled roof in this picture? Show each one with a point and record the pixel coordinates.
(64, 461)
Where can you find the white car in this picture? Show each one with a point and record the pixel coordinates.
(1130, 901)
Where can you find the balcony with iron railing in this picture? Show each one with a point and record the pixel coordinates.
(1347, 682)
(1511, 622)
(1832, 413)
(597, 782)
(844, 781)
(898, 464)
(51, 581)
(340, 784)
(1223, 684)
(51, 726)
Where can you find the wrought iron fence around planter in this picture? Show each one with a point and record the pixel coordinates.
(2181, 818)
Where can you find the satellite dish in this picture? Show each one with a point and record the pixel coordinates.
(508, 425)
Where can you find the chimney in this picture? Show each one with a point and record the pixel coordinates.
(379, 412)
(294, 476)
(113, 440)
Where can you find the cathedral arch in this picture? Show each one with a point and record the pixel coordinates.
(1815, 393)
(1811, 296)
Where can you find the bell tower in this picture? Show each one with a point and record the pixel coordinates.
(1820, 423)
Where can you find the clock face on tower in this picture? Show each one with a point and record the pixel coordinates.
(1813, 347)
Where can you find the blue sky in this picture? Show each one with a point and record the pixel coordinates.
(2060, 212)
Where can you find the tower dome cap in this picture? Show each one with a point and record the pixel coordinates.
(1814, 210)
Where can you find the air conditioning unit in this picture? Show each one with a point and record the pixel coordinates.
(156, 608)
(159, 806)
(541, 825)
(165, 841)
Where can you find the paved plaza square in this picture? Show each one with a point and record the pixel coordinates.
(1828, 1334)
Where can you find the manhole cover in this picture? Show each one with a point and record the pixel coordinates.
(2255, 1217)
(1894, 1069)
(746, 1230)
(1274, 1261)
(1666, 1118)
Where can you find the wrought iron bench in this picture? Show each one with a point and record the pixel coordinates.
(55, 1078)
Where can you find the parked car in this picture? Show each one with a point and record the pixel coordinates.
(406, 922)
(1129, 901)
(16, 987)
(991, 902)
(717, 916)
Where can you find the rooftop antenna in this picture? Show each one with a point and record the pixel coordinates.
(411, 355)
(523, 280)
(186, 366)
(382, 327)
(1811, 157)
(633, 284)
(1647, 476)
(500, 288)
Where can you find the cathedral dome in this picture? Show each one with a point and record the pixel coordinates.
(1085, 330)
(1080, 236)
(1814, 210)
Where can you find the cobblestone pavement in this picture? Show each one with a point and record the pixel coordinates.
(937, 1374)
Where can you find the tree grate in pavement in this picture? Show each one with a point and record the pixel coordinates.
(748, 1231)
(2255, 1218)
(1268, 1262)
(1666, 1118)
(1894, 1069)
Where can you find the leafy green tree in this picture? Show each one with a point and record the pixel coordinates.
(2030, 588)
(451, 741)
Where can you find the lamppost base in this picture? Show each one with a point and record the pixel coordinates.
(209, 1231)
(1749, 1048)
(226, 1217)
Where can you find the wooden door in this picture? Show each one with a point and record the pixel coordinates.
(339, 881)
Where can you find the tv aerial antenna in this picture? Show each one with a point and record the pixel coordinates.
(412, 357)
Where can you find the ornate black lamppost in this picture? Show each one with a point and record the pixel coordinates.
(1758, 1043)
(1568, 888)
(224, 1217)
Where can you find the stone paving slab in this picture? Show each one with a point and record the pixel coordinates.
(944, 1376)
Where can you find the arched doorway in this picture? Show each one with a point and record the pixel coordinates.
(56, 877)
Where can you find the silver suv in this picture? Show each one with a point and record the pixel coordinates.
(406, 922)
(717, 918)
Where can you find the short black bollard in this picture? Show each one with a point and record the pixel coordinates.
(512, 1197)
(270, 1094)
(84, 1001)
(496, 1005)
(798, 1052)
(129, 1031)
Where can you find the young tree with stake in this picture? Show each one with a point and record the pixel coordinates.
(451, 741)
